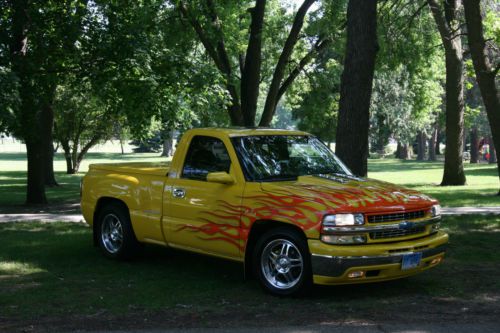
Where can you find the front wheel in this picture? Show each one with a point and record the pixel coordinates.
(282, 262)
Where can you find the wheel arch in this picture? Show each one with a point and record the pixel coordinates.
(259, 228)
(101, 203)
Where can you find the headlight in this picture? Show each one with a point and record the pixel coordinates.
(341, 220)
(436, 210)
(331, 222)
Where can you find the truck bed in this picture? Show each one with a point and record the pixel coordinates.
(143, 168)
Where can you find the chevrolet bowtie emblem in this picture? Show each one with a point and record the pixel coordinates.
(406, 225)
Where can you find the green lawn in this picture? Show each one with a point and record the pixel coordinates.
(13, 175)
(481, 189)
(50, 270)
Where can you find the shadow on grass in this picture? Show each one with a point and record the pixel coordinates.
(13, 189)
(55, 264)
(393, 165)
(484, 170)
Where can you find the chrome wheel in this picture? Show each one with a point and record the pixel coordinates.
(282, 264)
(111, 233)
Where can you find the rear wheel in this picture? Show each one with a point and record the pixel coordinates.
(116, 237)
(282, 262)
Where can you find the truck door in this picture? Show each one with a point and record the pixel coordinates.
(201, 215)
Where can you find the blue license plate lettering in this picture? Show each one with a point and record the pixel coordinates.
(411, 260)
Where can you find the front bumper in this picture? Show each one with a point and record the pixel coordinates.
(380, 262)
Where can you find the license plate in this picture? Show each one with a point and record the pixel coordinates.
(411, 260)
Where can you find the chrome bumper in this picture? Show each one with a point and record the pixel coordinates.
(335, 266)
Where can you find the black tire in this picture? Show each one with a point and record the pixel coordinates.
(115, 235)
(282, 263)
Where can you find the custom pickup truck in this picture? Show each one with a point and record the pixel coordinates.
(278, 201)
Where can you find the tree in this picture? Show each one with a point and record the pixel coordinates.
(483, 66)
(243, 90)
(36, 34)
(407, 93)
(82, 121)
(356, 85)
(450, 32)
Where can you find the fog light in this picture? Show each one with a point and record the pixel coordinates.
(435, 227)
(436, 261)
(356, 274)
(343, 239)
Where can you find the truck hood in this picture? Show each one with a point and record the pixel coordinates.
(334, 194)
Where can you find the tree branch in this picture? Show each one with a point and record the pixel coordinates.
(298, 22)
(319, 47)
(221, 47)
(202, 36)
(443, 27)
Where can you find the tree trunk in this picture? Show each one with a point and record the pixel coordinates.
(168, 143)
(432, 144)
(485, 74)
(250, 76)
(450, 36)
(421, 138)
(406, 152)
(67, 157)
(439, 138)
(48, 143)
(36, 172)
(474, 151)
(29, 113)
(356, 85)
(399, 149)
(493, 153)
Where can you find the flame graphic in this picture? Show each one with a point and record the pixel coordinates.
(303, 204)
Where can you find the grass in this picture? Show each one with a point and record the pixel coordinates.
(52, 270)
(13, 175)
(481, 189)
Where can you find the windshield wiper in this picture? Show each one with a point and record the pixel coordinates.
(277, 178)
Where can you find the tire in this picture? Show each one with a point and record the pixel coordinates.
(115, 235)
(282, 263)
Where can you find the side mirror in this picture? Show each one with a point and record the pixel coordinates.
(220, 177)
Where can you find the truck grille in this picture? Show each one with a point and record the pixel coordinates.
(402, 216)
(393, 233)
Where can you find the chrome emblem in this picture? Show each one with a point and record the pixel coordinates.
(406, 225)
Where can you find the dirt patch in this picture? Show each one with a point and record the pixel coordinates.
(415, 310)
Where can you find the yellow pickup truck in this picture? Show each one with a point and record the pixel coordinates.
(278, 201)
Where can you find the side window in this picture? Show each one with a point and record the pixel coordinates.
(205, 154)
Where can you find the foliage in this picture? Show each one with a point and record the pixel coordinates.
(81, 121)
(316, 103)
(408, 86)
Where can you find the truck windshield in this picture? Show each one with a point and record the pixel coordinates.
(285, 157)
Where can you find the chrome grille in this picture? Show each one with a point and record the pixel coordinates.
(402, 216)
(393, 233)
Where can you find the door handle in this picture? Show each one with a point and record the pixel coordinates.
(178, 192)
